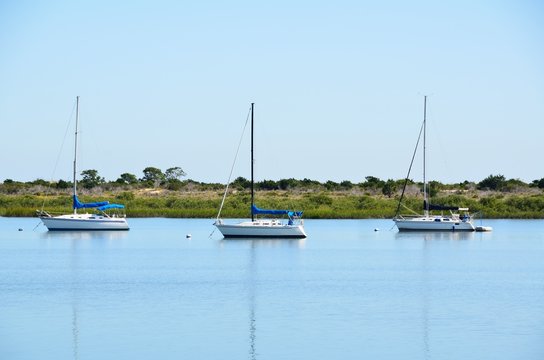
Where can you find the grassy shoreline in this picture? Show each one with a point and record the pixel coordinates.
(315, 204)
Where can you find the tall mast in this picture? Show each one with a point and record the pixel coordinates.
(252, 161)
(424, 152)
(75, 150)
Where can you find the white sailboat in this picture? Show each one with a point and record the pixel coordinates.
(454, 221)
(293, 227)
(76, 221)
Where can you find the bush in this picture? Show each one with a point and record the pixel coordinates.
(125, 196)
(492, 182)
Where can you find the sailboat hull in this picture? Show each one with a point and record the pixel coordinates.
(433, 223)
(84, 222)
(261, 229)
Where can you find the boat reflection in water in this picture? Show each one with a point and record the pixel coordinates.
(425, 245)
(251, 285)
(76, 284)
(85, 235)
(264, 242)
(252, 276)
(438, 235)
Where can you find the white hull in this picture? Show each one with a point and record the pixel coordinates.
(433, 223)
(261, 228)
(84, 222)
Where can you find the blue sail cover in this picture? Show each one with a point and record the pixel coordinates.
(256, 211)
(111, 206)
(79, 205)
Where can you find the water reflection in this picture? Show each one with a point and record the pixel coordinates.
(425, 302)
(264, 242)
(251, 300)
(75, 332)
(438, 235)
(85, 235)
(74, 264)
(253, 245)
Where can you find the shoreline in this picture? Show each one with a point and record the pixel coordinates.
(315, 204)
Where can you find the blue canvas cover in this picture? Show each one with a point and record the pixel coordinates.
(111, 206)
(79, 205)
(256, 211)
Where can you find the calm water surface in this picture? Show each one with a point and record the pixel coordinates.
(345, 292)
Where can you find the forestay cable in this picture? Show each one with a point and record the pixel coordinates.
(409, 169)
(59, 153)
(233, 164)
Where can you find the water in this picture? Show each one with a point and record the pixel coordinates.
(345, 292)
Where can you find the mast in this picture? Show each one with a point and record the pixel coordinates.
(426, 202)
(75, 151)
(252, 161)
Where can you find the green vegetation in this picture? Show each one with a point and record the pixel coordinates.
(159, 194)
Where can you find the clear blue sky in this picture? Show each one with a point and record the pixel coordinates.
(338, 87)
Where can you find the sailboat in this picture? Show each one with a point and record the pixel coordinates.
(428, 222)
(84, 221)
(263, 228)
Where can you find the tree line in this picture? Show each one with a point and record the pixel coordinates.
(171, 179)
(90, 179)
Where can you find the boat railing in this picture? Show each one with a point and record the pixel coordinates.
(42, 213)
(404, 217)
(112, 215)
(452, 216)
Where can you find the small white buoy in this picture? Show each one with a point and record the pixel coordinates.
(376, 229)
(188, 236)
